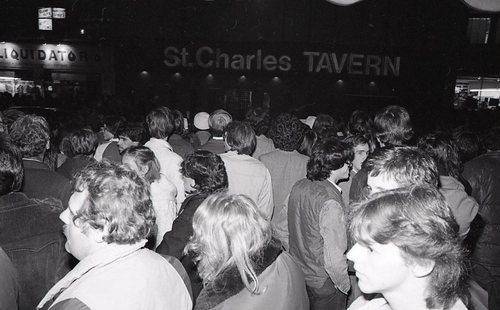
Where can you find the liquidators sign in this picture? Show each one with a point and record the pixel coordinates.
(52, 56)
(310, 61)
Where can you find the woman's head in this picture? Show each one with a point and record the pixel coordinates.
(415, 223)
(143, 161)
(227, 231)
(207, 171)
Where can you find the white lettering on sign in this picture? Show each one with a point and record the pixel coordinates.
(315, 62)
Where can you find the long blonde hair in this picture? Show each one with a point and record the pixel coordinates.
(228, 231)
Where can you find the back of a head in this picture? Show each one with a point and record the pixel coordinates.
(492, 139)
(118, 202)
(9, 116)
(323, 122)
(135, 131)
(328, 155)
(393, 126)
(240, 137)
(146, 160)
(468, 143)
(287, 132)
(178, 120)
(200, 120)
(160, 123)
(227, 231)
(217, 122)
(11, 170)
(30, 134)
(83, 142)
(444, 151)
(420, 223)
(406, 165)
(207, 170)
(360, 123)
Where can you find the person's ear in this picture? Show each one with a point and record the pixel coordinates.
(422, 268)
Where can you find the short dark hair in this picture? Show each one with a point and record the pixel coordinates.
(328, 154)
(492, 139)
(83, 142)
(360, 123)
(207, 170)
(134, 131)
(160, 122)
(240, 137)
(11, 169)
(144, 157)
(393, 126)
(30, 134)
(468, 143)
(323, 124)
(119, 202)
(308, 142)
(217, 122)
(356, 140)
(287, 132)
(420, 223)
(258, 118)
(406, 164)
(444, 151)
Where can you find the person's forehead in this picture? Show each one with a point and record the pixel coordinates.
(382, 181)
(77, 200)
(361, 147)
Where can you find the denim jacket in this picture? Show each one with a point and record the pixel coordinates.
(31, 236)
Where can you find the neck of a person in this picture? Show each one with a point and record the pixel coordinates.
(409, 296)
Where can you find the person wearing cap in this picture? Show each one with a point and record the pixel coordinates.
(217, 123)
(202, 135)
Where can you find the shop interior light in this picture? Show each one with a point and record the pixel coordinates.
(3, 42)
(82, 31)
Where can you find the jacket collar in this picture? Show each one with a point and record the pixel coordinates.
(229, 282)
(103, 257)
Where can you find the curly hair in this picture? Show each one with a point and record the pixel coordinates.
(11, 169)
(118, 203)
(444, 151)
(287, 132)
(83, 142)
(160, 123)
(207, 170)
(227, 231)
(30, 134)
(420, 223)
(393, 126)
(328, 155)
(405, 164)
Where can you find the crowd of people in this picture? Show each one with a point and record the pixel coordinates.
(266, 212)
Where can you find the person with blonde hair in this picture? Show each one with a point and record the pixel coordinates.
(241, 264)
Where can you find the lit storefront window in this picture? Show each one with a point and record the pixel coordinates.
(477, 93)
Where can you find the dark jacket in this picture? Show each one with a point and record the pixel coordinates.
(31, 235)
(40, 182)
(180, 146)
(281, 285)
(483, 174)
(73, 165)
(215, 146)
(9, 284)
(176, 239)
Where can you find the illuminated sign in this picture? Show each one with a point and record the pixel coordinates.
(258, 60)
(44, 24)
(52, 56)
(58, 13)
(44, 12)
